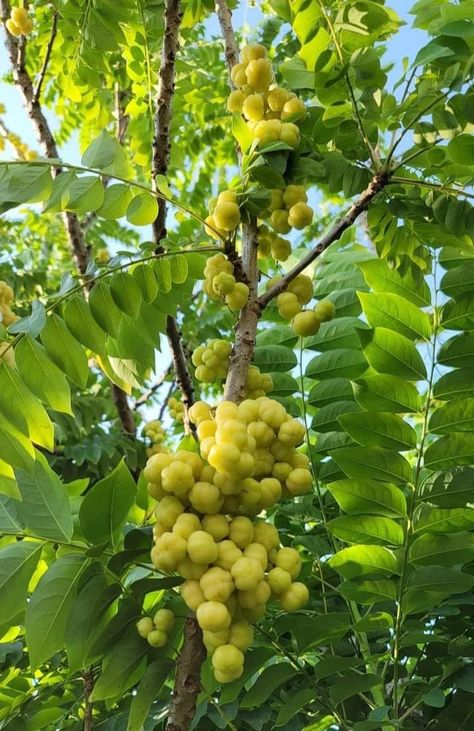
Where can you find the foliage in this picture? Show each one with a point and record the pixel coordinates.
(385, 389)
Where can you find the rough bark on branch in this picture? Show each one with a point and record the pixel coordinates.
(187, 681)
(231, 48)
(376, 185)
(16, 52)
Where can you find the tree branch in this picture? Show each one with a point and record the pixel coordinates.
(187, 680)
(88, 682)
(49, 49)
(16, 52)
(231, 49)
(144, 397)
(378, 183)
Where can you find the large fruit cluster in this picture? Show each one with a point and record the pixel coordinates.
(269, 110)
(156, 630)
(219, 283)
(224, 214)
(153, 430)
(19, 23)
(206, 528)
(212, 363)
(7, 316)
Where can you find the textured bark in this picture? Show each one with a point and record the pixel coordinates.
(187, 682)
(231, 48)
(376, 185)
(31, 97)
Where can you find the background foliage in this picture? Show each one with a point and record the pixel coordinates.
(385, 389)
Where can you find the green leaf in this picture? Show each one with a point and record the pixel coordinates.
(458, 281)
(461, 149)
(284, 384)
(356, 561)
(254, 659)
(458, 351)
(379, 430)
(457, 384)
(126, 293)
(122, 667)
(142, 210)
(10, 516)
(440, 579)
(105, 154)
(147, 691)
(450, 451)
(455, 416)
(326, 419)
(444, 520)
(374, 622)
(295, 703)
(23, 410)
(459, 314)
(116, 201)
(41, 376)
(322, 723)
(45, 508)
(369, 496)
(15, 449)
(341, 363)
(82, 325)
(146, 280)
(391, 353)
(332, 664)
(373, 463)
(50, 604)
(336, 334)
(24, 184)
(396, 313)
(366, 529)
(387, 393)
(314, 631)
(274, 358)
(266, 683)
(32, 324)
(326, 392)
(351, 684)
(443, 550)
(17, 564)
(241, 132)
(178, 268)
(410, 284)
(89, 615)
(367, 592)
(105, 507)
(64, 350)
(104, 310)
(84, 194)
(162, 269)
(451, 490)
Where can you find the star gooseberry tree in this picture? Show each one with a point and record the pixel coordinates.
(274, 529)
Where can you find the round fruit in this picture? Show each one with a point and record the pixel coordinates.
(227, 659)
(299, 481)
(192, 594)
(289, 560)
(216, 584)
(226, 215)
(247, 573)
(280, 221)
(288, 305)
(201, 547)
(241, 635)
(145, 626)
(295, 597)
(306, 323)
(259, 74)
(253, 51)
(235, 101)
(325, 310)
(157, 638)
(213, 616)
(164, 620)
(279, 580)
(300, 215)
(253, 108)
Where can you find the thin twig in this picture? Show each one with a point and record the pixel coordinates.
(165, 400)
(396, 179)
(148, 394)
(44, 68)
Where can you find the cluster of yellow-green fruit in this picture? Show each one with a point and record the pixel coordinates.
(153, 430)
(270, 244)
(206, 528)
(103, 255)
(7, 316)
(19, 23)
(272, 112)
(212, 363)
(219, 283)
(156, 630)
(224, 214)
(176, 409)
(290, 306)
(289, 209)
